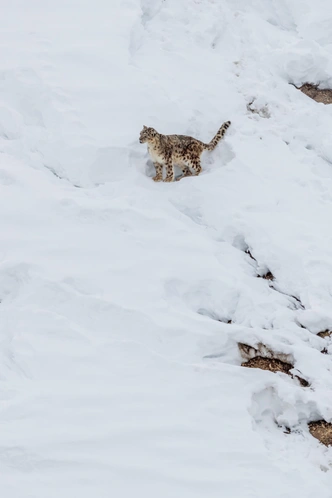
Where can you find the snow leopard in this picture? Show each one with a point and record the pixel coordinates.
(180, 150)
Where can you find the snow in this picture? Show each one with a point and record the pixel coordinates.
(119, 372)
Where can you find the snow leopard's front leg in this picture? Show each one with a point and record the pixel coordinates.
(170, 173)
(159, 172)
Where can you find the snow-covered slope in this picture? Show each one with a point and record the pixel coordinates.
(120, 375)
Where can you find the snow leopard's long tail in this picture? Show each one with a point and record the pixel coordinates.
(221, 132)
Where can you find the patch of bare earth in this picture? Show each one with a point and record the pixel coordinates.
(272, 364)
(321, 95)
(325, 333)
(322, 431)
(267, 276)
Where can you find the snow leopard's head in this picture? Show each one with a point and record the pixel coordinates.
(147, 135)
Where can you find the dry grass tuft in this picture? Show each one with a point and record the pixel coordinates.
(321, 95)
(273, 365)
(322, 431)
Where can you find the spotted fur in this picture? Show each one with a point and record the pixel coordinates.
(185, 152)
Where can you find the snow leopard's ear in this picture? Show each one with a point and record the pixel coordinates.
(144, 127)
